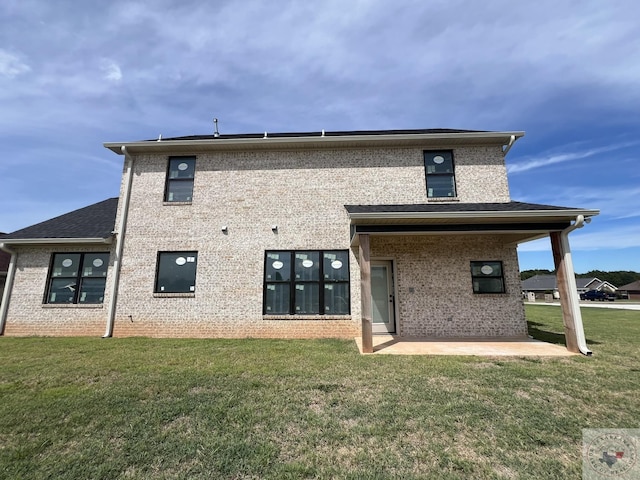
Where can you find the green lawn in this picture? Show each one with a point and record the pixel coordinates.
(90, 408)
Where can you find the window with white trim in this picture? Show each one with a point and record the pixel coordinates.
(487, 277)
(309, 282)
(180, 175)
(77, 278)
(176, 272)
(439, 173)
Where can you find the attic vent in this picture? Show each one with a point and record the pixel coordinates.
(216, 133)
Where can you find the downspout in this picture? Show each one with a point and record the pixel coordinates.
(508, 147)
(119, 233)
(574, 300)
(8, 286)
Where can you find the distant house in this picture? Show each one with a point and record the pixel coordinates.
(541, 284)
(632, 289)
(4, 267)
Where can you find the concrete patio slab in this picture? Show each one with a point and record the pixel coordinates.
(521, 347)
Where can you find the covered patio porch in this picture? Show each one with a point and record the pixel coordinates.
(489, 347)
(501, 226)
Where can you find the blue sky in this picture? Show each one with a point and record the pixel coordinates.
(75, 74)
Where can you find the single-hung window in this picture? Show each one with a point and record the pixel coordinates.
(440, 177)
(77, 278)
(314, 282)
(487, 277)
(180, 176)
(176, 272)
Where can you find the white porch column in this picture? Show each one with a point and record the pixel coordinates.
(569, 299)
(365, 293)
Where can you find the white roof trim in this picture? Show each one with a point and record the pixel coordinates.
(492, 137)
(512, 214)
(55, 241)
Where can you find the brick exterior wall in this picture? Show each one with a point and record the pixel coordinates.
(304, 193)
(29, 316)
(434, 292)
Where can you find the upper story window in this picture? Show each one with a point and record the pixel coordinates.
(176, 272)
(77, 278)
(306, 282)
(487, 277)
(180, 176)
(439, 172)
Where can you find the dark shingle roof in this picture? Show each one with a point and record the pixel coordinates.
(549, 282)
(452, 207)
(326, 134)
(633, 286)
(540, 282)
(95, 221)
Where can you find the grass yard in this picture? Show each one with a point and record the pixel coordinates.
(89, 408)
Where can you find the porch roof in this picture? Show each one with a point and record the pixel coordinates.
(518, 220)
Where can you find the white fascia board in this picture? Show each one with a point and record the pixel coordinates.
(151, 145)
(470, 215)
(56, 241)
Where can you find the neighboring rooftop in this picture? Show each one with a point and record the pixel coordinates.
(549, 282)
(633, 286)
(94, 221)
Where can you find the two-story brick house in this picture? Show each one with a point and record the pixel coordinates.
(293, 235)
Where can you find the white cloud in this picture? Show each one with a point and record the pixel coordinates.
(615, 237)
(11, 66)
(620, 202)
(111, 71)
(551, 159)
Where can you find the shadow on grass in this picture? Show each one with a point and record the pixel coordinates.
(550, 337)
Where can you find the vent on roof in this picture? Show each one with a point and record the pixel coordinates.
(216, 133)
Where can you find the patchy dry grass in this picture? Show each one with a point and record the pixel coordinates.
(143, 408)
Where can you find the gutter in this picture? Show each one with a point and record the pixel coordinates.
(11, 273)
(410, 139)
(512, 140)
(58, 241)
(561, 214)
(119, 234)
(574, 299)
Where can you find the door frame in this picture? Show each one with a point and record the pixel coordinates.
(394, 283)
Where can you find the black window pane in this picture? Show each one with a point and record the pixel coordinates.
(180, 191)
(182, 167)
(336, 299)
(66, 265)
(487, 277)
(92, 290)
(62, 290)
(336, 266)
(176, 272)
(488, 285)
(277, 299)
(278, 267)
(307, 266)
(307, 298)
(486, 269)
(438, 162)
(440, 186)
(297, 283)
(95, 265)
